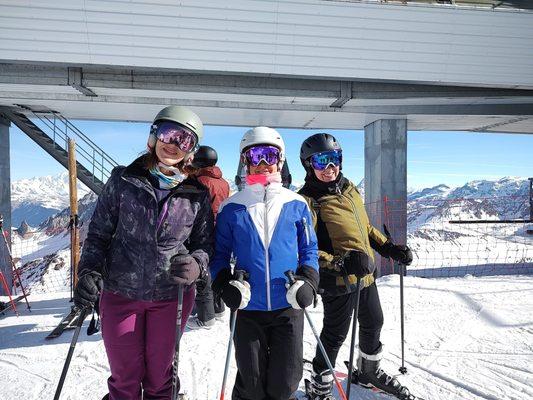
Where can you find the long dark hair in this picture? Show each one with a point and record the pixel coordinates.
(151, 161)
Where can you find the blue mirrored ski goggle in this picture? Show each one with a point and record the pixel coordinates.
(321, 161)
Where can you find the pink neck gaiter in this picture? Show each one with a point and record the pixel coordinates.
(263, 179)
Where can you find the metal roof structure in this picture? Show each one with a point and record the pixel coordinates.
(291, 63)
(493, 4)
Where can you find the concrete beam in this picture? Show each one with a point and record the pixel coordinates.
(75, 79)
(345, 97)
(491, 110)
(5, 199)
(386, 180)
(169, 80)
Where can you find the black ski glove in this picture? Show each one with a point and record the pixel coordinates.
(234, 292)
(302, 287)
(184, 269)
(300, 294)
(88, 289)
(398, 252)
(357, 263)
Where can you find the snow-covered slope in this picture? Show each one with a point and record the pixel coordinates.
(36, 199)
(444, 247)
(466, 339)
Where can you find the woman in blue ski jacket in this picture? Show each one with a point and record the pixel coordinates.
(267, 228)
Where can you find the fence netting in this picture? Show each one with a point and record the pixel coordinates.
(463, 236)
(448, 237)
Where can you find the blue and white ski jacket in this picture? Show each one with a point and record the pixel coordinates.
(268, 229)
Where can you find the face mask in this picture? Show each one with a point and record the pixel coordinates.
(263, 179)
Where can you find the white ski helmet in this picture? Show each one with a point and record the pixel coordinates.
(264, 135)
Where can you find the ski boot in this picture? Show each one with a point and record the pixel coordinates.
(370, 375)
(320, 386)
(194, 323)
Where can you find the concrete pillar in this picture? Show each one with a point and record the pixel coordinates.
(386, 181)
(5, 199)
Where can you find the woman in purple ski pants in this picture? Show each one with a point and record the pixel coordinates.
(151, 232)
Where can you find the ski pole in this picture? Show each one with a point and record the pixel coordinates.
(13, 266)
(403, 368)
(292, 280)
(240, 277)
(73, 342)
(175, 363)
(352, 342)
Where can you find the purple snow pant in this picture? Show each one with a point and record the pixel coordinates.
(139, 337)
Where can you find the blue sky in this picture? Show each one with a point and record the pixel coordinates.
(453, 158)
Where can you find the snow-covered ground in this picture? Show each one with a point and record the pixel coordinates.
(466, 338)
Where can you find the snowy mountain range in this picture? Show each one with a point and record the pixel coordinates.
(506, 198)
(44, 201)
(36, 199)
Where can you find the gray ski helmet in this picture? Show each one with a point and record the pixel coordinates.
(180, 115)
(317, 143)
(205, 157)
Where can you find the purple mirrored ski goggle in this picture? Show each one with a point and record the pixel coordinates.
(172, 133)
(321, 161)
(255, 155)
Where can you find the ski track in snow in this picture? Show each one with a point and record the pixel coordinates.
(466, 339)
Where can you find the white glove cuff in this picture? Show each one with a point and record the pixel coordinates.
(244, 289)
(292, 291)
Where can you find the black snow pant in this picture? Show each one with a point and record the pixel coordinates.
(206, 302)
(338, 311)
(269, 354)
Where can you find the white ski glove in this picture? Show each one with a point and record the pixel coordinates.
(292, 291)
(244, 289)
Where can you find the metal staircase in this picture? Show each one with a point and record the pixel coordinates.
(51, 131)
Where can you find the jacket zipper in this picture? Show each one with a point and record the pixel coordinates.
(162, 215)
(357, 218)
(304, 222)
(267, 245)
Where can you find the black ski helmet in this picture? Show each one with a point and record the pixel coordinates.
(205, 157)
(317, 143)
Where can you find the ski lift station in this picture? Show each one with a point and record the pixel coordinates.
(385, 67)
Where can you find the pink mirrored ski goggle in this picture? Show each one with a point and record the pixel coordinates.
(172, 133)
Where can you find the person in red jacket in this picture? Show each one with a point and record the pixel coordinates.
(203, 168)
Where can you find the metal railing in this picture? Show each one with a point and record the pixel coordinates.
(89, 154)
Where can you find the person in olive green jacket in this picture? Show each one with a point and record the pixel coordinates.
(346, 241)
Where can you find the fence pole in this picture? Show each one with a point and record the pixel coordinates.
(531, 199)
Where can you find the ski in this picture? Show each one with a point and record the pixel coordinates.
(68, 322)
(7, 305)
(406, 395)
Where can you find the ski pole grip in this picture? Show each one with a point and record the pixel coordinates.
(240, 275)
(290, 276)
(387, 233)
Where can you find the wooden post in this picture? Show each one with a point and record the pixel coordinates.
(74, 230)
